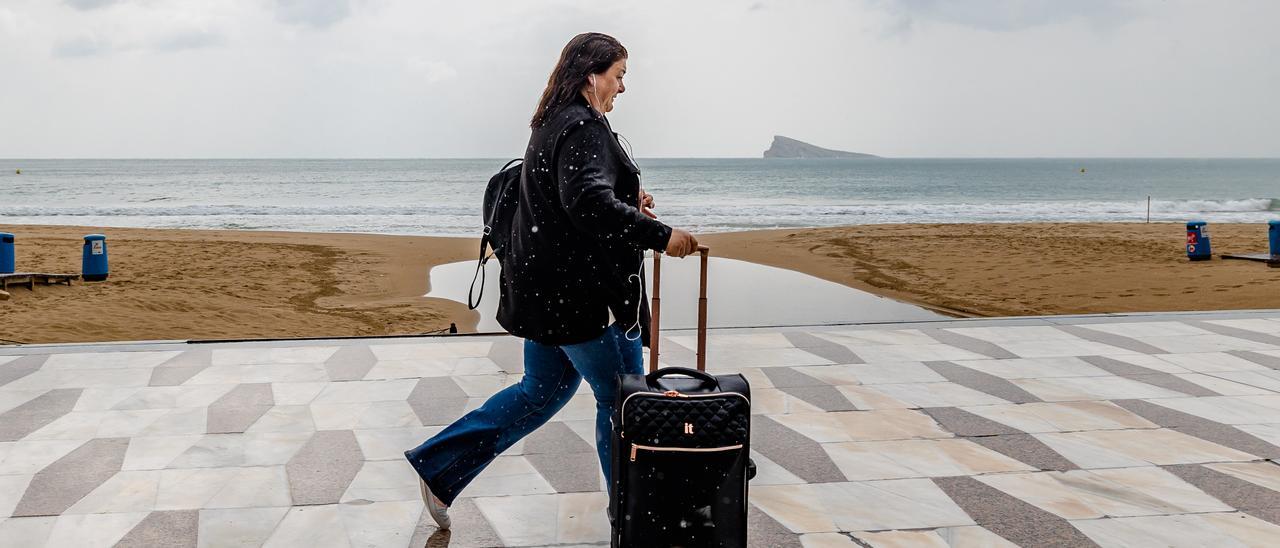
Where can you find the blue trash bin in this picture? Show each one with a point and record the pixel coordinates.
(1198, 241)
(1273, 232)
(94, 265)
(6, 253)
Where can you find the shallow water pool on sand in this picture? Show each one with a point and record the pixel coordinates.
(739, 294)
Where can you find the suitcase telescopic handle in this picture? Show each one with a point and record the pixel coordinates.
(656, 311)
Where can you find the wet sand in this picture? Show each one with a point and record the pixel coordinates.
(203, 284)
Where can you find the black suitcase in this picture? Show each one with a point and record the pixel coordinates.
(681, 449)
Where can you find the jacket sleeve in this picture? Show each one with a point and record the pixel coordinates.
(586, 170)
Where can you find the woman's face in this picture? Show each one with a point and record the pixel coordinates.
(607, 85)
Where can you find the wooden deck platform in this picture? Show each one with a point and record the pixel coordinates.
(30, 279)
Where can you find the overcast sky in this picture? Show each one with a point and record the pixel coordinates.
(436, 79)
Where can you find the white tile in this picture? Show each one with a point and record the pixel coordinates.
(1128, 448)
(1062, 417)
(429, 350)
(1148, 329)
(1062, 347)
(874, 425)
(391, 443)
(31, 456)
(878, 460)
(733, 359)
(1223, 409)
(154, 453)
(359, 415)
(366, 391)
(434, 367)
(547, 519)
(771, 473)
(380, 524)
(10, 399)
(230, 450)
(1268, 432)
(914, 353)
(483, 386)
(1027, 368)
(859, 506)
(1211, 362)
(877, 337)
(106, 360)
(284, 418)
(1265, 474)
(384, 480)
(189, 489)
(872, 373)
(944, 537)
(89, 530)
(254, 487)
(1261, 325)
(262, 355)
(11, 490)
(179, 422)
(1217, 530)
(1155, 363)
(170, 397)
(934, 394)
(296, 393)
(82, 378)
(505, 476)
(85, 425)
(1093, 388)
(128, 491)
(1204, 343)
(318, 526)
(1028, 333)
(234, 527)
(27, 531)
(719, 343)
(1091, 494)
(1266, 380)
(1219, 383)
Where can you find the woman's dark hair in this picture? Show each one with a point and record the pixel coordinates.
(587, 53)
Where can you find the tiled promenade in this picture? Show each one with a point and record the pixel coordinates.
(1158, 430)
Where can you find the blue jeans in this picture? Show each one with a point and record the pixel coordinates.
(451, 459)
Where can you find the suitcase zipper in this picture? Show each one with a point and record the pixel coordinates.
(636, 447)
(679, 395)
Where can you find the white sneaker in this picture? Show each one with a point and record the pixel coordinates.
(439, 512)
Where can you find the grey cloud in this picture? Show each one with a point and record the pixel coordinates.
(1007, 15)
(81, 46)
(86, 5)
(314, 13)
(192, 39)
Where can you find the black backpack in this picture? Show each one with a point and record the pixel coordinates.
(501, 196)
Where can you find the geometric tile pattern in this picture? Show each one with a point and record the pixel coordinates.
(1079, 431)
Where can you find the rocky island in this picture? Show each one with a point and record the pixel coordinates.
(786, 147)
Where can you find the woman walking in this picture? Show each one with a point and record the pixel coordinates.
(573, 278)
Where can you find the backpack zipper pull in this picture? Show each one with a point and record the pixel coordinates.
(633, 452)
(674, 394)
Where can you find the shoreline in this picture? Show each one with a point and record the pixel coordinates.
(233, 284)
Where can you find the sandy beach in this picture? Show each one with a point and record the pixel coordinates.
(204, 284)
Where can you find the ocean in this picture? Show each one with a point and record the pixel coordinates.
(442, 197)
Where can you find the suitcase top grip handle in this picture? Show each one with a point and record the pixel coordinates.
(694, 373)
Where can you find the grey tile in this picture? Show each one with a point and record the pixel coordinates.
(1258, 358)
(1119, 341)
(568, 472)
(172, 376)
(1011, 518)
(238, 409)
(1205, 429)
(508, 354)
(468, 528)
(825, 397)
(170, 529)
(965, 342)
(24, 419)
(200, 356)
(1148, 376)
(1242, 495)
(21, 367)
(765, 532)
(965, 424)
(1027, 449)
(982, 382)
(70, 478)
(321, 471)
(437, 400)
(555, 438)
(350, 363)
(1236, 332)
(793, 451)
(677, 355)
(786, 377)
(836, 353)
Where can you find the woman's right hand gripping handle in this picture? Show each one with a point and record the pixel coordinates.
(681, 243)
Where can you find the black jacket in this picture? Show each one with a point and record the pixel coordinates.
(578, 238)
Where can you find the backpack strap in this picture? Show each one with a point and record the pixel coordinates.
(485, 240)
